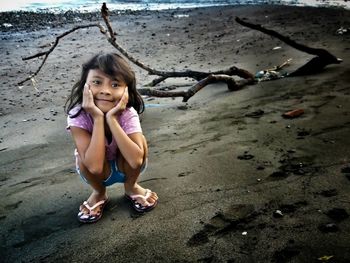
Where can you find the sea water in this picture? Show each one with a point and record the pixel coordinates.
(91, 5)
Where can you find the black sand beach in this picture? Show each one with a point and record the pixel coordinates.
(237, 182)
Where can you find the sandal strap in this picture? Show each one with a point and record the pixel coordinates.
(94, 206)
(143, 197)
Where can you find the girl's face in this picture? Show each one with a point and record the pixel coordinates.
(107, 92)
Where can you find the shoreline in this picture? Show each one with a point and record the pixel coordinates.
(29, 21)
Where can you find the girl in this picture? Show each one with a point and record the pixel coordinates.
(103, 119)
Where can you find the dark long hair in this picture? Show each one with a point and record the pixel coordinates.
(114, 66)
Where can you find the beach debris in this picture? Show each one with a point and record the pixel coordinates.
(342, 31)
(183, 107)
(325, 258)
(328, 228)
(346, 169)
(276, 48)
(180, 15)
(255, 114)
(273, 73)
(279, 175)
(293, 113)
(329, 192)
(219, 35)
(286, 254)
(303, 133)
(265, 75)
(245, 156)
(7, 25)
(337, 214)
(244, 233)
(277, 214)
(183, 174)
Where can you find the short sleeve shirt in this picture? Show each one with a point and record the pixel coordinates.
(129, 121)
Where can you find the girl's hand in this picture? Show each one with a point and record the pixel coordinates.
(121, 106)
(89, 104)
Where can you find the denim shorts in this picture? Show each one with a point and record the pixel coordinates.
(115, 176)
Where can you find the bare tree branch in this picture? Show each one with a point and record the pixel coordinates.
(198, 75)
(315, 65)
(165, 74)
(47, 53)
(232, 85)
(204, 78)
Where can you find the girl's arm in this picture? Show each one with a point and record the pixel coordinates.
(130, 146)
(91, 147)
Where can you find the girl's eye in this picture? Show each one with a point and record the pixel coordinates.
(115, 85)
(96, 82)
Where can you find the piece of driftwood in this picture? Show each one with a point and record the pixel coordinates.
(315, 65)
(204, 78)
(163, 75)
(232, 85)
(322, 59)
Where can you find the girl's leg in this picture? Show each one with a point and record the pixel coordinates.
(95, 181)
(130, 185)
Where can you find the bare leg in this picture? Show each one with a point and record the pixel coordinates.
(130, 185)
(95, 181)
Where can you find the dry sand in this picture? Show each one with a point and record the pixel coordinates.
(220, 174)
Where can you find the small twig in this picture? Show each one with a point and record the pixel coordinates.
(35, 56)
(48, 52)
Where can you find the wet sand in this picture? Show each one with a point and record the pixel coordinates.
(237, 182)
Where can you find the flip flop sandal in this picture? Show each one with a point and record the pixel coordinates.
(143, 207)
(92, 218)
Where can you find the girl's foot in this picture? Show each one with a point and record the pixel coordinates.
(143, 200)
(91, 210)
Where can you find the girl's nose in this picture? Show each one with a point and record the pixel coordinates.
(105, 89)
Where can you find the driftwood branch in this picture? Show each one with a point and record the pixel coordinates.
(315, 65)
(48, 52)
(232, 85)
(204, 78)
(198, 75)
(323, 58)
(163, 75)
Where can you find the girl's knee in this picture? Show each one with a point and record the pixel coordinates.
(91, 172)
(126, 168)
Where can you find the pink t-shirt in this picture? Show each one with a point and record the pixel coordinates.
(129, 121)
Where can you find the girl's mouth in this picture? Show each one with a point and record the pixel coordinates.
(103, 100)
